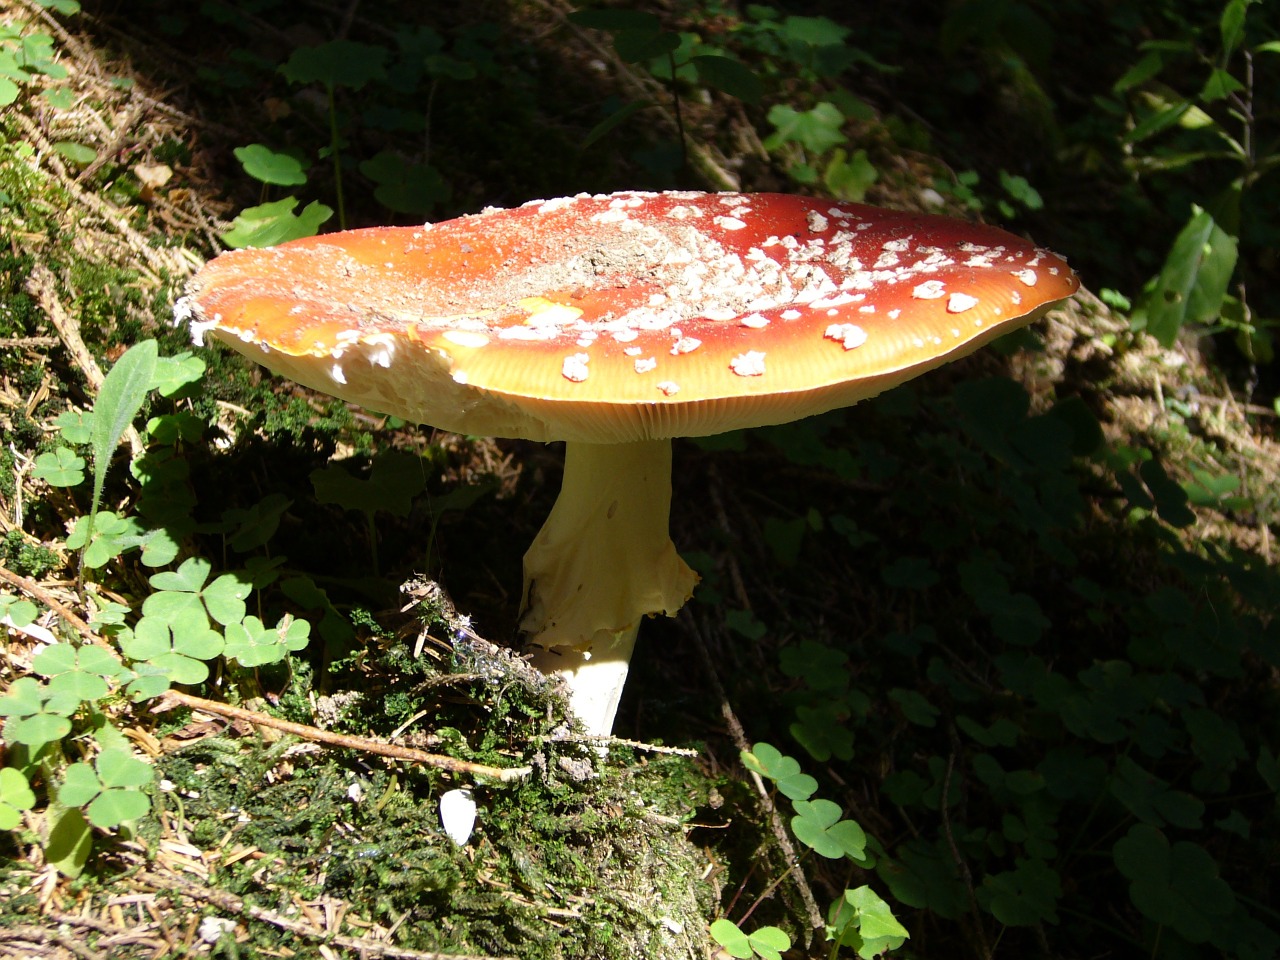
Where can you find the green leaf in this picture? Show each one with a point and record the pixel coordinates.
(224, 598)
(817, 130)
(80, 784)
(394, 480)
(338, 63)
(616, 20)
(114, 807)
(875, 917)
(123, 391)
(820, 730)
(1231, 25)
(634, 46)
(923, 876)
(119, 768)
(745, 623)
(75, 672)
(37, 714)
(253, 644)
(1174, 885)
(909, 573)
(820, 666)
(1193, 281)
(915, 706)
(77, 153)
(148, 681)
(8, 91)
(1024, 896)
(1220, 85)
(1170, 498)
(728, 935)
(271, 166)
(178, 646)
(190, 577)
(255, 525)
(771, 764)
(850, 176)
(15, 796)
(19, 613)
(766, 942)
(76, 426)
(403, 186)
(1151, 64)
(60, 468)
(271, 223)
(174, 373)
(769, 942)
(618, 116)
(729, 76)
(70, 841)
(817, 825)
(106, 531)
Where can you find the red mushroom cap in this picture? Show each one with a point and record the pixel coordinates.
(628, 316)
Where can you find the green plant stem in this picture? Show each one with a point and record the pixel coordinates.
(373, 541)
(1092, 919)
(675, 101)
(764, 894)
(337, 158)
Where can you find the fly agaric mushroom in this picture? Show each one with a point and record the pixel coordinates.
(615, 323)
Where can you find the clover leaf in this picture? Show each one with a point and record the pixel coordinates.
(37, 714)
(104, 537)
(862, 920)
(271, 166)
(1175, 885)
(15, 796)
(77, 671)
(817, 825)
(275, 222)
(1024, 896)
(61, 468)
(766, 942)
(178, 646)
(16, 611)
(109, 788)
(769, 762)
(253, 644)
(76, 426)
(184, 589)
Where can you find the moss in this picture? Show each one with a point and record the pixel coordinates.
(556, 869)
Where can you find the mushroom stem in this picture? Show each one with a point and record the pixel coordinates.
(602, 561)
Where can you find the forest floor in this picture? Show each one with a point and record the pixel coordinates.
(262, 842)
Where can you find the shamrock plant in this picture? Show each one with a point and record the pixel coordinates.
(859, 919)
(191, 619)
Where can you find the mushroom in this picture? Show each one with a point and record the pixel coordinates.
(615, 323)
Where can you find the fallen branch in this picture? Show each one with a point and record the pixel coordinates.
(315, 734)
(33, 589)
(234, 904)
(343, 741)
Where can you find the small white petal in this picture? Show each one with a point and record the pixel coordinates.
(458, 815)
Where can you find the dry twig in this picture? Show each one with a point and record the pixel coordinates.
(234, 904)
(343, 741)
(739, 737)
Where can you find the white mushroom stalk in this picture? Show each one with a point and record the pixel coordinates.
(615, 323)
(602, 562)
